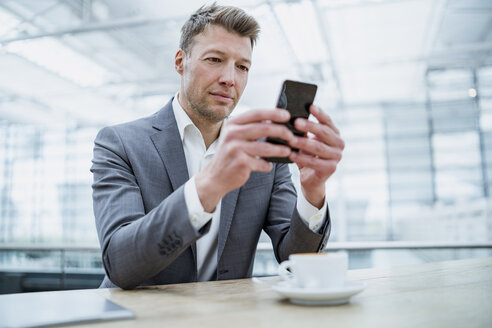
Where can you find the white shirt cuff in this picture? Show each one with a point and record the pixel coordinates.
(315, 218)
(198, 217)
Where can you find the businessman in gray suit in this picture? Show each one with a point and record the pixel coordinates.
(184, 194)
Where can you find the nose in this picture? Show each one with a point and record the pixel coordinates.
(227, 76)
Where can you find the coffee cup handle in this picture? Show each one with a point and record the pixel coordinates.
(282, 271)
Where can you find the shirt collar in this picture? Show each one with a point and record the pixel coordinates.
(182, 119)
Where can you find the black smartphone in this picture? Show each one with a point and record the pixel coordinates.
(296, 97)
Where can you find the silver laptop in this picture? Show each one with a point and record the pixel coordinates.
(55, 308)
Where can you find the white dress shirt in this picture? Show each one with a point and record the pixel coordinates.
(197, 156)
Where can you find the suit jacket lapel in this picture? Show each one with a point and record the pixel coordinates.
(168, 144)
(226, 213)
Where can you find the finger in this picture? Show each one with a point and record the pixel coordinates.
(302, 151)
(255, 131)
(323, 118)
(342, 146)
(316, 148)
(322, 132)
(322, 167)
(258, 115)
(265, 149)
(260, 165)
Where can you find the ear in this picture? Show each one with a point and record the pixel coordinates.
(179, 61)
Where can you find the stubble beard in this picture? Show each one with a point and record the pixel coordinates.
(203, 110)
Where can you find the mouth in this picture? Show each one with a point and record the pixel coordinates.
(222, 97)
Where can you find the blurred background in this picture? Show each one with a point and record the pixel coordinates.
(408, 82)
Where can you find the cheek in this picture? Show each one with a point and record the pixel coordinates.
(191, 79)
(201, 77)
(241, 84)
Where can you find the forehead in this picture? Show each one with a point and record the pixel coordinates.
(217, 38)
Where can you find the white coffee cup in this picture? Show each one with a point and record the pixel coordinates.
(315, 270)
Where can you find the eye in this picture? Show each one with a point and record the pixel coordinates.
(243, 68)
(213, 60)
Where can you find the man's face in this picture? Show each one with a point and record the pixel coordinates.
(214, 73)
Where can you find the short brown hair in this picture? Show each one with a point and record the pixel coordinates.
(233, 19)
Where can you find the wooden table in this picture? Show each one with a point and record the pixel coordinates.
(441, 294)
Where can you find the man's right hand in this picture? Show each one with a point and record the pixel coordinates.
(239, 153)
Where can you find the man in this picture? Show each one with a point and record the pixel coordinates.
(183, 195)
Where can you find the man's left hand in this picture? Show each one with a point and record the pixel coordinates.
(318, 154)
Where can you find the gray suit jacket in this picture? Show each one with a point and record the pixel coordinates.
(142, 220)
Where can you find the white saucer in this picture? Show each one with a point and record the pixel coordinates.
(331, 296)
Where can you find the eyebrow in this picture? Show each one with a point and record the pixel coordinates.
(223, 54)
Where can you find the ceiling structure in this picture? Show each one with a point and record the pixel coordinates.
(98, 62)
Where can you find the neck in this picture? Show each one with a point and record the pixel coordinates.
(209, 129)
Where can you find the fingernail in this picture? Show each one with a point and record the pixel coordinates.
(301, 123)
(285, 114)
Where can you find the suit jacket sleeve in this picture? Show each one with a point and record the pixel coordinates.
(135, 245)
(294, 235)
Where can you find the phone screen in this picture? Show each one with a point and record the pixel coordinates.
(296, 97)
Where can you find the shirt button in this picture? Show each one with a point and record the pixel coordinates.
(193, 218)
